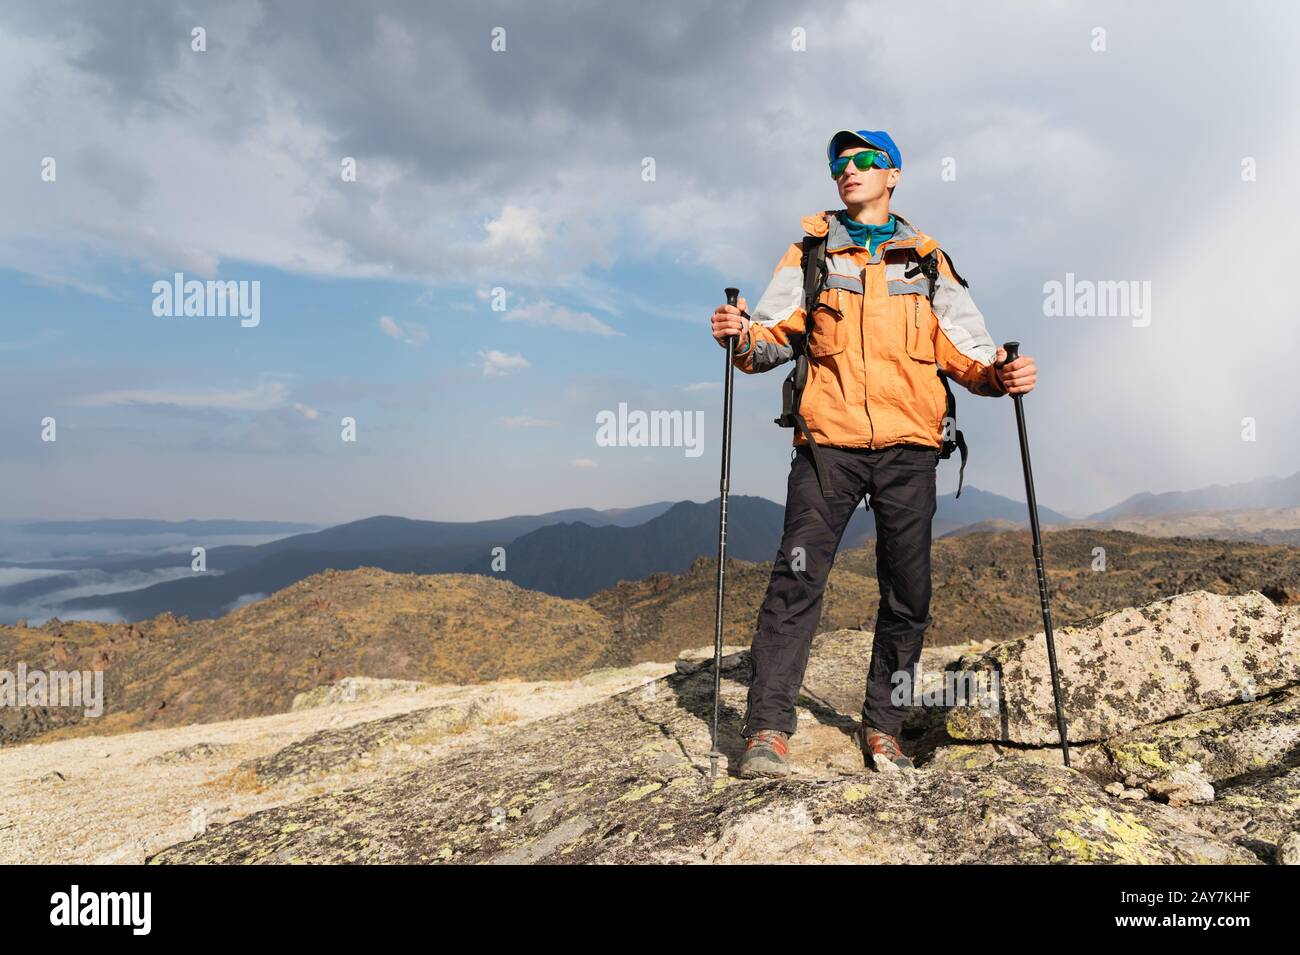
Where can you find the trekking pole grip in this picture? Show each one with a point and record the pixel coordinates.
(1013, 351)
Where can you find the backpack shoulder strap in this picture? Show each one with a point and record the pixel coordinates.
(929, 251)
(814, 275)
(814, 270)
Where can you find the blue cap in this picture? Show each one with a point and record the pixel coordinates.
(874, 138)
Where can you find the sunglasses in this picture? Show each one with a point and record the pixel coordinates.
(863, 160)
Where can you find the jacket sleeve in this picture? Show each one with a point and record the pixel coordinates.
(962, 345)
(778, 315)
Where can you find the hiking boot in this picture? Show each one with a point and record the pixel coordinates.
(765, 755)
(882, 750)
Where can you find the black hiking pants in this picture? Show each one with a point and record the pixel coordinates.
(900, 481)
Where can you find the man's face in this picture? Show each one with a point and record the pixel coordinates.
(862, 186)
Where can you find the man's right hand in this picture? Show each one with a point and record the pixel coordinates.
(728, 321)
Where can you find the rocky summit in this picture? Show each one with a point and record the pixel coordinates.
(1196, 766)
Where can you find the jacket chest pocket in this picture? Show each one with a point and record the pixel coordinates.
(909, 294)
(829, 331)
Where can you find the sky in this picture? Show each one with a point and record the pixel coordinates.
(548, 201)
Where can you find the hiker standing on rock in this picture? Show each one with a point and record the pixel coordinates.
(870, 422)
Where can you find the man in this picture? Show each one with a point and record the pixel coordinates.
(874, 406)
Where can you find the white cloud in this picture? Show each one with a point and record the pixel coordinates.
(243, 600)
(547, 314)
(266, 395)
(498, 364)
(516, 229)
(409, 333)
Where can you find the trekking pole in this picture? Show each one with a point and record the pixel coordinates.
(1013, 349)
(733, 297)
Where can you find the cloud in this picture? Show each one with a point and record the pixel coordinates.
(409, 333)
(547, 314)
(1064, 160)
(516, 229)
(65, 281)
(243, 600)
(498, 364)
(440, 197)
(266, 395)
(445, 198)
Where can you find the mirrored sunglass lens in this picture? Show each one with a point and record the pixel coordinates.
(865, 159)
(838, 166)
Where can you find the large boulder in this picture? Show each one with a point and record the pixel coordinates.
(1229, 744)
(1131, 668)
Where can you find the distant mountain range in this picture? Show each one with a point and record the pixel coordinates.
(1281, 492)
(574, 560)
(569, 553)
(216, 528)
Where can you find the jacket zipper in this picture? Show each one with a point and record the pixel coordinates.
(862, 333)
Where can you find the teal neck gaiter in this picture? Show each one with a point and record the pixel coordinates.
(865, 234)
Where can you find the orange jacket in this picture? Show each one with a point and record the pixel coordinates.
(876, 342)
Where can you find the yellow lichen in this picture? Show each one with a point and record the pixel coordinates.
(639, 792)
(1132, 756)
(1129, 840)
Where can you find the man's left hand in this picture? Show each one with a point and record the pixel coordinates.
(1019, 376)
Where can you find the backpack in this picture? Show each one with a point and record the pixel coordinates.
(813, 263)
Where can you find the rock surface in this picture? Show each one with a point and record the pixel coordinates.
(118, 798)
(353, 689)
(1229, 744)
(626, 779)
(1135, 667)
